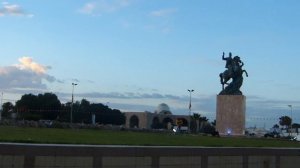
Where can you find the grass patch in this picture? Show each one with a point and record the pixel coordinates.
(104, 137)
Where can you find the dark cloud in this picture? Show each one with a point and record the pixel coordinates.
(129, 95)
(132, 108)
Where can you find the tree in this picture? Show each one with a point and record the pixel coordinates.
(6, 109)
(285, 121)
(82, 112)
(48, 107)
(43, 106)
(209, 129)
(195, 124)
(203, 122)
(119, 117)
(275, 126)
(214, 123)
(105, 115)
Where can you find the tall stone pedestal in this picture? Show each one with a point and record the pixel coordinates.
(231, 114)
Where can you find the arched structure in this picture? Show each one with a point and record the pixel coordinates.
(134, 122)
(166, 121)
(155, 123)
(148, 120)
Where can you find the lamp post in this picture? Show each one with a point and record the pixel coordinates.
(71, 116)
(1, 106)
(291, 107)
(190, 109)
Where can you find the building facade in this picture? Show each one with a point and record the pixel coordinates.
(148, 120)
(161, 118)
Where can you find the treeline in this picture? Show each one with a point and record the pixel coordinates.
(47, 106)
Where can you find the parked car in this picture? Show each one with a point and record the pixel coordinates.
(272, 134)
(250, 133)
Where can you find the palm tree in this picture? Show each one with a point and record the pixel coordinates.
(202, 120)
(196, 117)
(285, 121)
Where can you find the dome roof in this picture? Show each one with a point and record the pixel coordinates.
(163, 108)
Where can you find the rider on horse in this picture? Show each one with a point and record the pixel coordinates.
(234, 71)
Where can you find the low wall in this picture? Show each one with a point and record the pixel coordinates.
(90, 156)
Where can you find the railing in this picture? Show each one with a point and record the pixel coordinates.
(89, 156)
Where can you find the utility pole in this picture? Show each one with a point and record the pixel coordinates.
(71, 116)
(190, 109)
(291, 107)
(1, 106)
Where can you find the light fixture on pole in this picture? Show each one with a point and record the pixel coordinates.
(71, 115)
(190, 109)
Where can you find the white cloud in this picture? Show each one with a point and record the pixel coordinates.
(28, 63)
(25, 75)
(13, 10)
(163, 20)
(104, 6)
(163, 12)
(88, 8)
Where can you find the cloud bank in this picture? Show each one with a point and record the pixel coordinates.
(25, 75)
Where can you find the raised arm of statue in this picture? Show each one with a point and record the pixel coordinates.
(227, 58)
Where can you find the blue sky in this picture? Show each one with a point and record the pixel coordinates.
(136, 54)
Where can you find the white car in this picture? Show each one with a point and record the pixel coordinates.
(296, 138)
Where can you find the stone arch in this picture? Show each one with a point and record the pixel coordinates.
(166, 122)
(134, 122)
(155, 123)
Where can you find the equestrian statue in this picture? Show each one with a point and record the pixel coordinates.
(234, 72)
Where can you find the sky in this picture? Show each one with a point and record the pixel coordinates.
(133, 55)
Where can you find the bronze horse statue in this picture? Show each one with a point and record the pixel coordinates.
(235, 72)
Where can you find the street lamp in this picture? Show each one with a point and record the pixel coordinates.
(1, 106)
(291, 107)
(71, 116)
(190, 109)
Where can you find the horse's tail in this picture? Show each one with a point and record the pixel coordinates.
(245, 72)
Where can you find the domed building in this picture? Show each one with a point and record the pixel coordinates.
(162, 108)
(161, 118)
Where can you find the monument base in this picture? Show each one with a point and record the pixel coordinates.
(230, 118)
